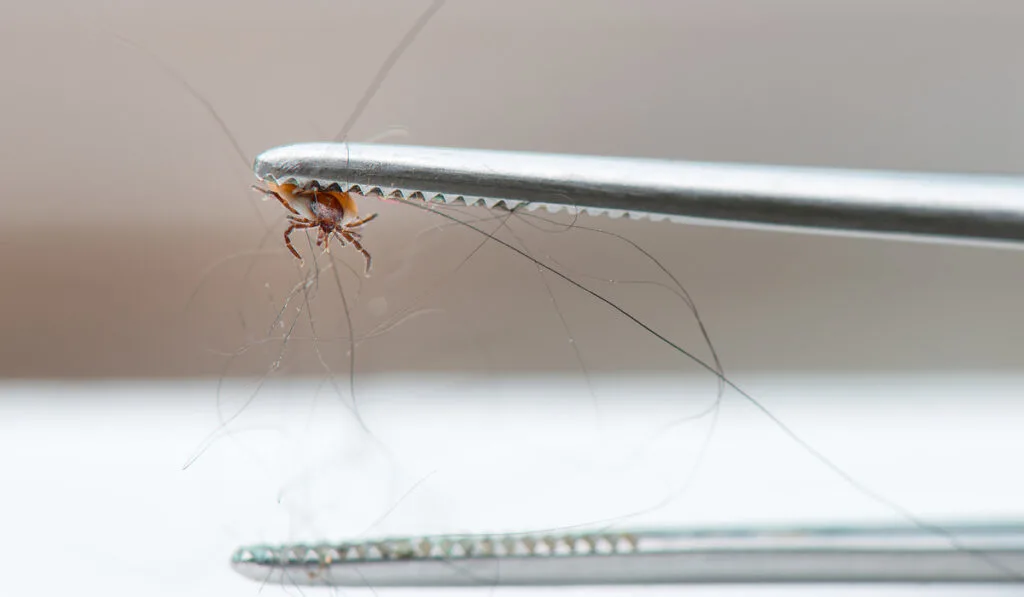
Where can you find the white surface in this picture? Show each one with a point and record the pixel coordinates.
(96, 491)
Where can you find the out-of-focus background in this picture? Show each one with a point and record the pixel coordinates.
(135, 261)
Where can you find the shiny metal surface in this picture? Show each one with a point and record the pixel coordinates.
(645, 557)
(945, 205)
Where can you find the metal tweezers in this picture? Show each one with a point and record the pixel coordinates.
(949, 206)
(940, 206)
(958, 554)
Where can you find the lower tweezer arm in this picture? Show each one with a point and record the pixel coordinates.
(601, 558)
(978, 207)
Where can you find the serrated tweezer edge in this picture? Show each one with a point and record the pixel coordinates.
(955, 206)
(978, 554)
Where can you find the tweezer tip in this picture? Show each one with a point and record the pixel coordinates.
(279, 163)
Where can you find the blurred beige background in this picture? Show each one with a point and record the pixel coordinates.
(129, 245)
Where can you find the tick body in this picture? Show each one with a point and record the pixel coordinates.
(330, 212)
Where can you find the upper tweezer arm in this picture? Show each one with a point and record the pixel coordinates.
(955, 206)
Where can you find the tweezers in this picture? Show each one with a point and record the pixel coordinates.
(938, 206)
(967, 207)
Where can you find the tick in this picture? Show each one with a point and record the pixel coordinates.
(331, 212)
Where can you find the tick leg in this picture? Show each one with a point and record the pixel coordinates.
(288, 236)
(323, 237)
(358, 223)
(278, 197)
(358, 246)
